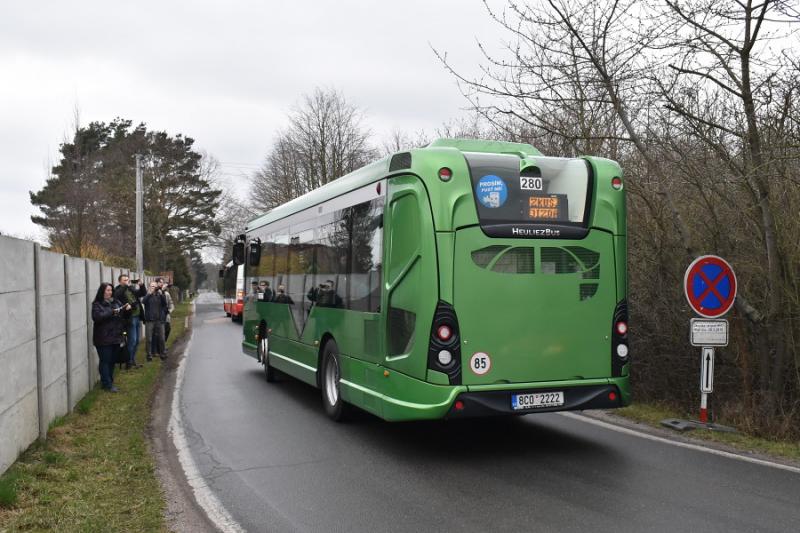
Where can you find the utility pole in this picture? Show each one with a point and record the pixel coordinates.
(139, 218)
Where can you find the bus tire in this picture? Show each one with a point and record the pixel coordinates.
(263, 356)
(335, 406)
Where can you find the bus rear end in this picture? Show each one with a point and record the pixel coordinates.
(539, 288)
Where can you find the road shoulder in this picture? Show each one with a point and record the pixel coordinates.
(182, 510)
(647, 428)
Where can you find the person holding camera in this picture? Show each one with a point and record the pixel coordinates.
(164, 286)
(126, 294)
(155, 314)
(108, 316)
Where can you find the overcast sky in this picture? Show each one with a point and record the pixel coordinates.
(224, 73)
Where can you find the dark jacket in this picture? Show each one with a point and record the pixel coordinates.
(155, 307)
(128, 295)
(108, 326)
(283, 298)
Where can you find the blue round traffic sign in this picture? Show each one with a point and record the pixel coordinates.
(710, 286)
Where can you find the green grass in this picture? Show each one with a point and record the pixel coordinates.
(8, 490)
(94, 472)
(653, 414)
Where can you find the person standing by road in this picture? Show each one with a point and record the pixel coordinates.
(282, 297)
(108, 338)
(170, 309)
(126, 294)
(265, 289)
(155, 314)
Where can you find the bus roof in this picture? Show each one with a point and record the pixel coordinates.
(493, 147)
(378, 170)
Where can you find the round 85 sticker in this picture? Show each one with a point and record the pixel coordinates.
(480, 363)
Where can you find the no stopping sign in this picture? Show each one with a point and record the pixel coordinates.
(710, 286)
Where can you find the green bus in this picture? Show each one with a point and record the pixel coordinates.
(466, 278)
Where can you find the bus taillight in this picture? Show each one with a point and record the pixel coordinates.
(616, 183)
(619, 339)
(444, 349)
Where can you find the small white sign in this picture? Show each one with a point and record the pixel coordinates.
(530, 184)
(707, 371)
(709, 332)
(480, 363)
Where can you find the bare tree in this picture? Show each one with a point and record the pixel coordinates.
(399, 141)
(325, 140)
(233, 214)
(696, 99)
(725, 89)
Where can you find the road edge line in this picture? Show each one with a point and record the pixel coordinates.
(204, 496)
(680, 444)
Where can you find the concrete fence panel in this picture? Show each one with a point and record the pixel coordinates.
(52, 338)
(19, 416)
(108, 274)
(77, 348)
(47, 358)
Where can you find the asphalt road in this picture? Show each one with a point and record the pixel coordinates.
(277, 463)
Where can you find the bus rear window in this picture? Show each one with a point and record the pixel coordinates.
(548, 190)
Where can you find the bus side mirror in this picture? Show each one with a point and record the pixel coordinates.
(238, 250)
(254, 253)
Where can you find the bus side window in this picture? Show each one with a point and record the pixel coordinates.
(367, 253)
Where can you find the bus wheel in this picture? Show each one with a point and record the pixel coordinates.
(263, 355)
(335, 406)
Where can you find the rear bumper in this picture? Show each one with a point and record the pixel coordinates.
(498, 402)
(419, 400)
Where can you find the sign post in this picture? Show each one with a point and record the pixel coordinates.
(710, 288)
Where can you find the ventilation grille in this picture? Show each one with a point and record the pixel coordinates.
(515, 261)
(521, 260)
(484, 256)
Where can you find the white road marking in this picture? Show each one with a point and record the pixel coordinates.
(210, 504)
(680, 444)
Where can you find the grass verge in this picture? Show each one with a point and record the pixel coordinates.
(653, 414)
(94, 471)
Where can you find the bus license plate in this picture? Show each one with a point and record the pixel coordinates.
(536, 400)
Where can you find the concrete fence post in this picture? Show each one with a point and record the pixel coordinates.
(89, 324)
(37, 290)
(95, 368)
(68, 333)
